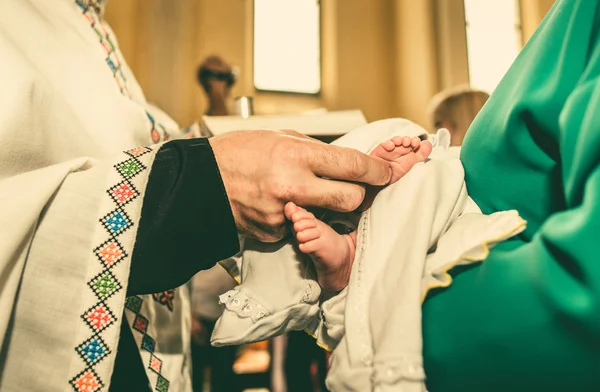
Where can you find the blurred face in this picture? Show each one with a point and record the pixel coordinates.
(217, 81)
(456, 139)
(442, 123)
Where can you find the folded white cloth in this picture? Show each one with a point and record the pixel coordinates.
(416, 230)
(278, 293)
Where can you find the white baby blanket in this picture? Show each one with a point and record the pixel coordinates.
(416, 230)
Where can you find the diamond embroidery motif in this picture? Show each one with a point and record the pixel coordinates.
(123, 193)
(93, 350)
(130, 168)
(99, 317)
(110, 253)
(162, 384)
(98, 32)
(112, 55)
(148, 343)
(109, 40)
(106, 47)
(134, 304)
(116, 222)
(140, 323)
(155, 364)
(81, 4)
(92, 22)
(111, 64)
(155, 136)
(165, 298)
(150, 117)
(105, 285)
(138, 152)
(87, 381)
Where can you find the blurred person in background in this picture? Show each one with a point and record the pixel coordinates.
(217, 78)
(455, 109)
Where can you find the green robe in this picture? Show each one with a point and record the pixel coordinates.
(528, 318)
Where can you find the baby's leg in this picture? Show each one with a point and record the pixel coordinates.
(332, 253)
(402, 153)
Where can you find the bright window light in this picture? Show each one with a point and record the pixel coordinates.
(287, 46)
(493, 40)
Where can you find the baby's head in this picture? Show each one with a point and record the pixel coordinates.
(455, 109)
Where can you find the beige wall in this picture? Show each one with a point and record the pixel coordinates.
(385, 57)
(532, 13)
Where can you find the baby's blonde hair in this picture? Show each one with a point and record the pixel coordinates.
(456, 107)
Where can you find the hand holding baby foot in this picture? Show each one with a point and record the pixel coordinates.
(332, 253)
(401, 153)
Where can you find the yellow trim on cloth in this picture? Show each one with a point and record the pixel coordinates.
(485, 246)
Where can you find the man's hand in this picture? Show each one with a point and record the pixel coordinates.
(263, 170)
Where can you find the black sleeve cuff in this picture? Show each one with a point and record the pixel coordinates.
(186, 223)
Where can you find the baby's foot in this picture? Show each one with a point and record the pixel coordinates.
(332, 253)
(402, 152)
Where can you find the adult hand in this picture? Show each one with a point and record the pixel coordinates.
(263, 170)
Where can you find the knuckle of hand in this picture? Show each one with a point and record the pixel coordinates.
(275, 220)
(358, 166)
(285, 150)
(353, 199)
(289, 191)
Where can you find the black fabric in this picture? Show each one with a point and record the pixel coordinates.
(186, 226)
(220, 360)
(301, 354)
(129, 373)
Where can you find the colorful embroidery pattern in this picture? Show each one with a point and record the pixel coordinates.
(140, 324)
(87, 381)
(192, 131)
(98, 5)
(90, 12)
(91, 9)
(155, 134)
(165, 298)
(99, 317)
(110, 253)
(105, 284)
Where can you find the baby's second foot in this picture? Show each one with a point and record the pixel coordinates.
(332, 253)
(402, 152)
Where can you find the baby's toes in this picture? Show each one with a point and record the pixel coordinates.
(309, 247)
(424, 150)
(308, 235)
(305, 224)
(415, 142)
(301, 214)
(388, 145)
(290, 209)
(401, 141)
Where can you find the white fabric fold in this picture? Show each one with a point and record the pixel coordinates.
(72, 181)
